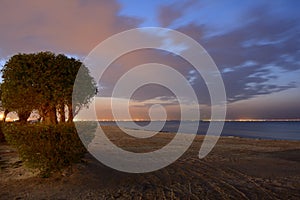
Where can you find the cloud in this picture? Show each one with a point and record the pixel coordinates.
(244, 53)
(255, 44)
(275, 105)
(245, 68)
(63, 26)
(167, 14)
(257, 54)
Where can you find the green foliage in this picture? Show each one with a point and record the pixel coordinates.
(44, 81)
(15, 85)
(46, 147)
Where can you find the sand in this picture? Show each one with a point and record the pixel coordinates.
(237, 168)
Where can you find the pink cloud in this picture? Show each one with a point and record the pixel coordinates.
(62, 26)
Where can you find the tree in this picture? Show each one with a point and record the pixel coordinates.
(82, 92)
(44, 82)
(16, 95)
(75, 71)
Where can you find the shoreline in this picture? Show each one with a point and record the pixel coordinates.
(204, 135)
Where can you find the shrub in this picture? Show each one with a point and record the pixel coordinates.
(46, 147)
(86, 131)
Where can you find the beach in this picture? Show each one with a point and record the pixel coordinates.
(237, 168)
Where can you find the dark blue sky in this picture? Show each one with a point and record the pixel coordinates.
(255, 43)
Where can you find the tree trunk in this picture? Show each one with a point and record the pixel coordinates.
(5, 115)
(49, 115)
(70, 113)
(23, 115)
(42, 113)
(61, 110)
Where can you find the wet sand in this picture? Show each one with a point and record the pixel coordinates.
(237, 168)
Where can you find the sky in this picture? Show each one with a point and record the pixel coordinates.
(255, 45)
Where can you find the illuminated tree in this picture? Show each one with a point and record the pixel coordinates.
(44, 82)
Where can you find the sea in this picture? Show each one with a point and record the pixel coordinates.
(274, 130)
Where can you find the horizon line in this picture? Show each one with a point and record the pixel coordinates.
(203, 120)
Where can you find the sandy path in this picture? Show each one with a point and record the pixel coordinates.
(236, 168)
